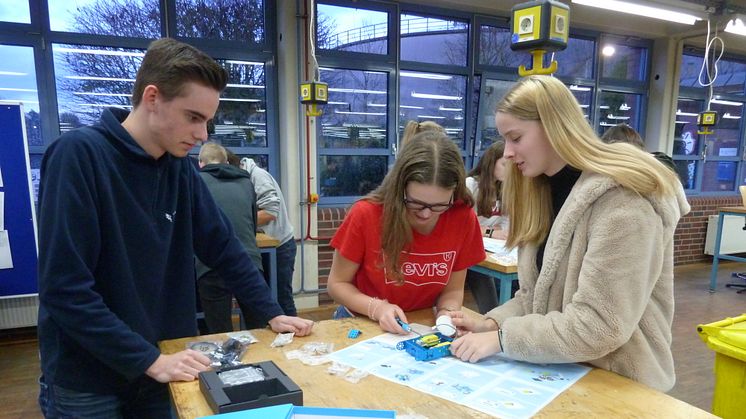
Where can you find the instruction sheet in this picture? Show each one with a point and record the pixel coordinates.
(496, 385)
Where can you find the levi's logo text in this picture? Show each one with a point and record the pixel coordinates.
(426, 268)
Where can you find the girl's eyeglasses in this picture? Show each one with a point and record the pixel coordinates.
(419, 206)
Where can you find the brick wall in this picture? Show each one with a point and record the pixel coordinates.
(689, 239)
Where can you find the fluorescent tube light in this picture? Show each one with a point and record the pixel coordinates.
(411, 107)
(360, 113)
(736, 26)
(98, 78)
(100, 52)
(11, 73)
(245, 86)
(431, 116)
(243, 62)
(640, 10)
(678, 112)
(12, 89)
(729, 116)
(579, 88)
(357, 91)
(450, 109)
(428, 76)
(376, 105)
(431, 96)
(725, 102)
(227, 99)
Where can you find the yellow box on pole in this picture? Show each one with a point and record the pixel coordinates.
(728, 339)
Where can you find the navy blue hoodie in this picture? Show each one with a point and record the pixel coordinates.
(118, 232)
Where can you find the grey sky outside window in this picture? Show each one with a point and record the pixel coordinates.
(627, 62)
(352, 30)
(18, 84)
(429, 39)
(15, 11)
(494, 48)
(574, 61)
(222, 20)
(350, 175)
(135, 18)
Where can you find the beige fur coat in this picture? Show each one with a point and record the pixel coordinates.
(605, 292)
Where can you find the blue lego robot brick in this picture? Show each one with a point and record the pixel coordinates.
(428, 347)
(353, 334)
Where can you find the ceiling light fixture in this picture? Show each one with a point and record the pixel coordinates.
(640, 10)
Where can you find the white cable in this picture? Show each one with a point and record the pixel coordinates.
(710, 44)
(312, 44)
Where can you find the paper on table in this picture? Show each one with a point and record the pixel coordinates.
(498, 252)
(6, 260)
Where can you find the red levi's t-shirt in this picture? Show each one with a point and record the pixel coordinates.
(454, 245)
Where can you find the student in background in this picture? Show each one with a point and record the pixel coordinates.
(122, 215)
(413, 128)
(623, 133)
(272, 218)
(485, 184)
(595, 225)
(233, 192)
(407, 245)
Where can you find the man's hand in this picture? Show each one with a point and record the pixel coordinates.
(286, 324)
(472, 347)
(181, 366)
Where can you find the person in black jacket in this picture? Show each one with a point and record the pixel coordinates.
(122, 215)
(233, 191)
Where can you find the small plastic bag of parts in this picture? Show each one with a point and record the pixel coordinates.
(282, 339)
(225, 354)
(238, 376)
(312, 353)
(350, 374)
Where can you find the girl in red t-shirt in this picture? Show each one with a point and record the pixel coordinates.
(407, 245)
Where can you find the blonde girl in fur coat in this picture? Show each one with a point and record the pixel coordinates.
(594, 225)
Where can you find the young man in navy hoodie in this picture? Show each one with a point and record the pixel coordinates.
(122, 215)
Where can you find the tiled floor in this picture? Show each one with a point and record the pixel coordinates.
(19, 364)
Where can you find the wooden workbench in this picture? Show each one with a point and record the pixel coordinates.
(599, 394)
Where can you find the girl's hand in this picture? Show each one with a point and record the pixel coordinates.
(387, 313)
(465, 324)
(474, 346)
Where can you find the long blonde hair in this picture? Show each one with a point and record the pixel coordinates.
(413, 128)
(430, 158)
(528, 200)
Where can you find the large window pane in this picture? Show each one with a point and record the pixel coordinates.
(136, 18)
(350, 175)
(434, 40)
(719, 176)
(494, 48)
(439, 98)
(723, 142)
(616, 108)
(623, 62)
(690, 68)
(351, 29)
(493, 91)
(686, 139)
(92, 78)
(687, 171)
(355, 115)
(224, 20)
(584, 95)
(574, 61)
(15, 11)
(731, 78)
(241, 118)
(18, 84)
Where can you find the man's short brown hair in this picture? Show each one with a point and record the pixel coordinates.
(169, 65)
